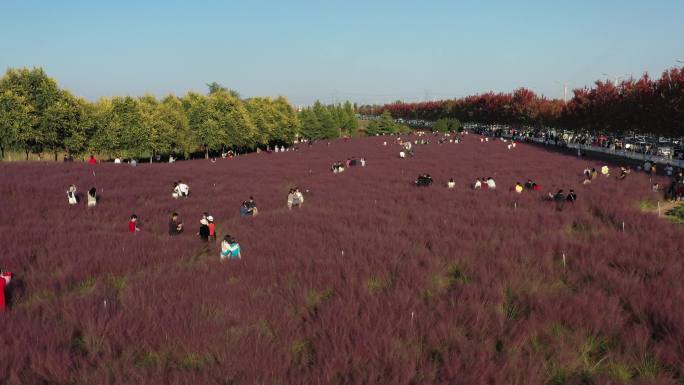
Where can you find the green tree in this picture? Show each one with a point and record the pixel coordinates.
(386, 125)
(350, 123)
(65, 124)
(288, 124)
(233, 121)
(265, 117)
(162, 123)
(202, 122)
(39, 92)
(173, 115)
(311, 127)
(447, 125)
(15, 113)
(119, 127)
(328, 127)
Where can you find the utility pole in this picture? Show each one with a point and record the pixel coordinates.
(565, 90)
(617, 78)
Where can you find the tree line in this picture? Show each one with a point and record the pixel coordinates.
(644, 105)
(37, 116)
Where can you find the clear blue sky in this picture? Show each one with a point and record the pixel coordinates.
(373, 51)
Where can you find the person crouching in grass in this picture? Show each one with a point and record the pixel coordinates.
(230, 248)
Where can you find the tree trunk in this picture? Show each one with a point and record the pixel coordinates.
(55, 155)
(27, 153)
(2, 152)
(206, 152)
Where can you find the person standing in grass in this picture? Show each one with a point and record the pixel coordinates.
(212, 227)
(5, 279)
(451, 183)
(133, 224)
(230, 248)
(92, 160)
(175, 225)
(204, 229)
(71, 195)
(92, 197)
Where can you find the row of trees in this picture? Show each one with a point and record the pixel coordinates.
(36, 116)
(386, 125)
(331, 121)
(641, 105)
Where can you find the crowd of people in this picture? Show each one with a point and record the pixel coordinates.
(230, 248)
(339, 166)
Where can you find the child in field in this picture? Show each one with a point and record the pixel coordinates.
(605, 171)
(230, 249)
(175, 225)
(363, 162)
(572, 197)
(92, 197)
(133, 224)
(451, 184)
(71, 195)
(490, 183)
(92, 160)
(212, 227)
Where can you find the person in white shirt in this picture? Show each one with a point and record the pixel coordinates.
(490, 183)
(117, 160)
(180, 189)
(363, 162)
(71, 195)
(171, 159)
(477, 185)
(451, 184)
(92, 197)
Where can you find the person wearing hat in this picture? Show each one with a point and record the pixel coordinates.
(230, 249)
(204, 228)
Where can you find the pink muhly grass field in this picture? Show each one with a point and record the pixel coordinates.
(372, 281)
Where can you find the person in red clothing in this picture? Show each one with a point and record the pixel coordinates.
(212, 227)
(5, 278)
(133, 224)
(92, 160)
